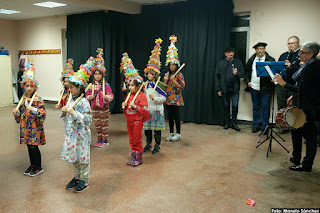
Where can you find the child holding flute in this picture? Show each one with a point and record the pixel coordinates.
(175, 84)
(64, 96)
(136, 112)
(77, 116)
(100, 95)
(156, 97)
(31, 114)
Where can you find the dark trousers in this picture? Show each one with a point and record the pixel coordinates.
(234, 97)
(309, 132)
(282, 95)
(261, 108)
(173, 116)
(34, 155)
(157, 136)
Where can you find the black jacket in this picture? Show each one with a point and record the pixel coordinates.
(308, 86)
(295, 65)
(220, 75)
(265, 82)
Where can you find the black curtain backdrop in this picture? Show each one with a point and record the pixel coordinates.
(203, 31)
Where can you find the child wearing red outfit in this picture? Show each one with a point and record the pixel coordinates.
(136, 112)
(99, 101)
(65, 82)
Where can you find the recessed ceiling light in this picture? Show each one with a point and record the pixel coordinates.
(50, 4)
(4, 11)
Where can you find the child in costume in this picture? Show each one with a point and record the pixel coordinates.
(65, 82)
(99, 101)
(31, 116)
(175, 85)
(77, 116)
(156, 97)
(136, 112)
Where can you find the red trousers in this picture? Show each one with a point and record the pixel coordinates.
(135, 135)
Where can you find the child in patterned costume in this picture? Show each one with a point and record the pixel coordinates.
(100, 102)
(77, 118)
(175, 85)
(31, 119)
(156, 97)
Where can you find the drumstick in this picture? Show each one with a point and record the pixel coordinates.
(34, 95)
(92, 89)
(156, 85)
(70, 98)
(179, 69)
(78, 99)
(138, 92)
(103, 87)
(126, 101)
(60, 97)
(21, 100)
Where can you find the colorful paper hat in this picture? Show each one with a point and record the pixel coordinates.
(82, 76)
(172, 53)
(128, 69)
(29, 74)
(99, 62)
(68, 70)
(154, 63)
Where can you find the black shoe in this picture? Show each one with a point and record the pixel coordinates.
(27, 172)
(156, 149)
(255, 129)
(147, 147)
(227, 125)
(73, 183)
(235, 126)
(300, 168)
(82, 185)
(36, 171)
(292, 160)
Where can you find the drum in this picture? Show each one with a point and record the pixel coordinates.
(290, 118)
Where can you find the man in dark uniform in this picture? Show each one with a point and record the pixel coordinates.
(307, 97)
(292, 60)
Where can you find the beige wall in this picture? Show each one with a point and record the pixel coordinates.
(8, 39)
(273, 21)
(5, 81)
(44, 33)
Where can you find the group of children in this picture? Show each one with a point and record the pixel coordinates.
(79, 102)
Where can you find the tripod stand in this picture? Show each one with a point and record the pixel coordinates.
(270, 126)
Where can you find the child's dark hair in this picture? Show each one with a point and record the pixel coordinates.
(168, 67)
(100, 81)
(136, 83)
(81, 91)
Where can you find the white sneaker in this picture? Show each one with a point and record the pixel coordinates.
(176, 137)
(169, 137)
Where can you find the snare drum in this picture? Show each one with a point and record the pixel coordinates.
(290, 118)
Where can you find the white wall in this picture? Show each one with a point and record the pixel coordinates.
(273, 21)
(44, 33)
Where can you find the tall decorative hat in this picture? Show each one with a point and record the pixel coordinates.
(172, 53)
(68, 70)
(82, 76)
(29, 74)
(154, 63)
(99, 62)
(129, 70)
